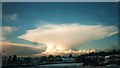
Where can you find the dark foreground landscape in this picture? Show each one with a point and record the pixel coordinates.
(102, 59)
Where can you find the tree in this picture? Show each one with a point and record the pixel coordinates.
(43, 58)
(14, 58)
(10, 59)
(51, 56)
(70, 55)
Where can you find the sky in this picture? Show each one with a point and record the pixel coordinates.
(39, 27)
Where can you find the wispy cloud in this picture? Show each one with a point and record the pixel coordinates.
(6, 30)
(10, 17)
(67, 36)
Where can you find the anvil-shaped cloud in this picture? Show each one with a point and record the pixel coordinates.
(67, 36)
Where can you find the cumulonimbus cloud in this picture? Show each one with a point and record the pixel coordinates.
(9, 49)
(67, 36)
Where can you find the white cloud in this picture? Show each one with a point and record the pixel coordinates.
(67, 36)
(9, 48)
(5, 31)
(10, 17)
(66, 52)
